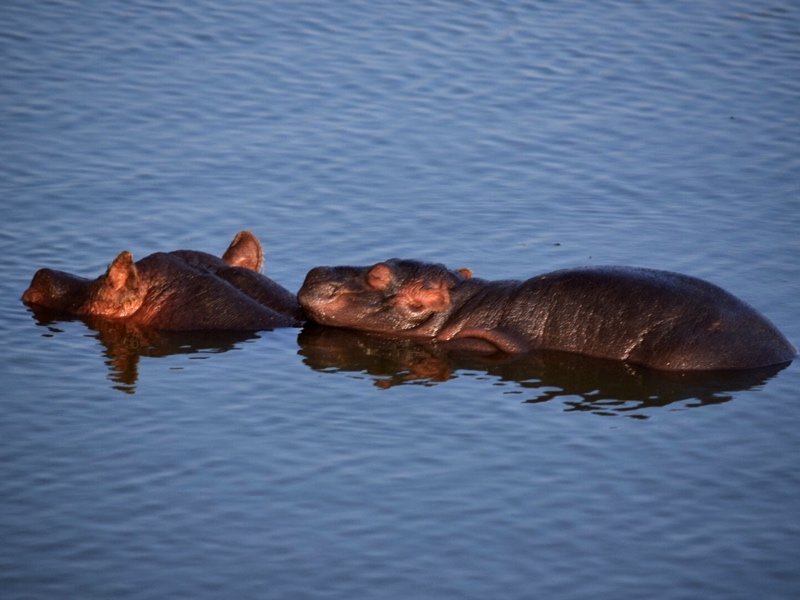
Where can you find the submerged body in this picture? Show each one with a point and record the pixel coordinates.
(184, 290)
(658, 319)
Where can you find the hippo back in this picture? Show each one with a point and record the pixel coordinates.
(656, 318)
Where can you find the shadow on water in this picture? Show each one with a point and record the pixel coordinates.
(582, 383)
(124, 345)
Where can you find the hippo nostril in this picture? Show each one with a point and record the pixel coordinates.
(35, 294)
(31, 296)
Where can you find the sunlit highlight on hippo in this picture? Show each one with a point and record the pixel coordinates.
(184, 290)
(654, 318)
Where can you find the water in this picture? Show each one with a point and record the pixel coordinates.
(511, 138)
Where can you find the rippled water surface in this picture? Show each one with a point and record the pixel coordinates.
(512, 138)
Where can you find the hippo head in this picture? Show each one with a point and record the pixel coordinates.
(389, 296)
(123, 289)
(117, 293)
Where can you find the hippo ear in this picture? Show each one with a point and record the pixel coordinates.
(119, 293)
(245, 251)
(465, 272)
(380, 277)
(122, 273)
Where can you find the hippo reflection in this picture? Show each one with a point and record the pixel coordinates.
(584, 383)
(124, 344)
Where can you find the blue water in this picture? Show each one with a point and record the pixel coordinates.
(511, 138)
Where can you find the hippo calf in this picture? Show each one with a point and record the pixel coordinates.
(658, 319)
(184, 290)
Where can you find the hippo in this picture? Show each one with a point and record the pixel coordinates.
(657, 319)
(183, 290)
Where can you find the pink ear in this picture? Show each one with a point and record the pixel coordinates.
(119, 293)
(245, 251)
(122, 272)
(380, 277)
(465, 272)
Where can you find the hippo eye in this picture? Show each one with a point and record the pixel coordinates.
(415, 307)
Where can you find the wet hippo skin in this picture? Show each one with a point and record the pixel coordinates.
(658, 319)
(184, 290)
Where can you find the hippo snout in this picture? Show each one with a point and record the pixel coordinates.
(42, 287)
(328, 294)
(318, 275)
(320, 284)
(34, 294)
(56, 289)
